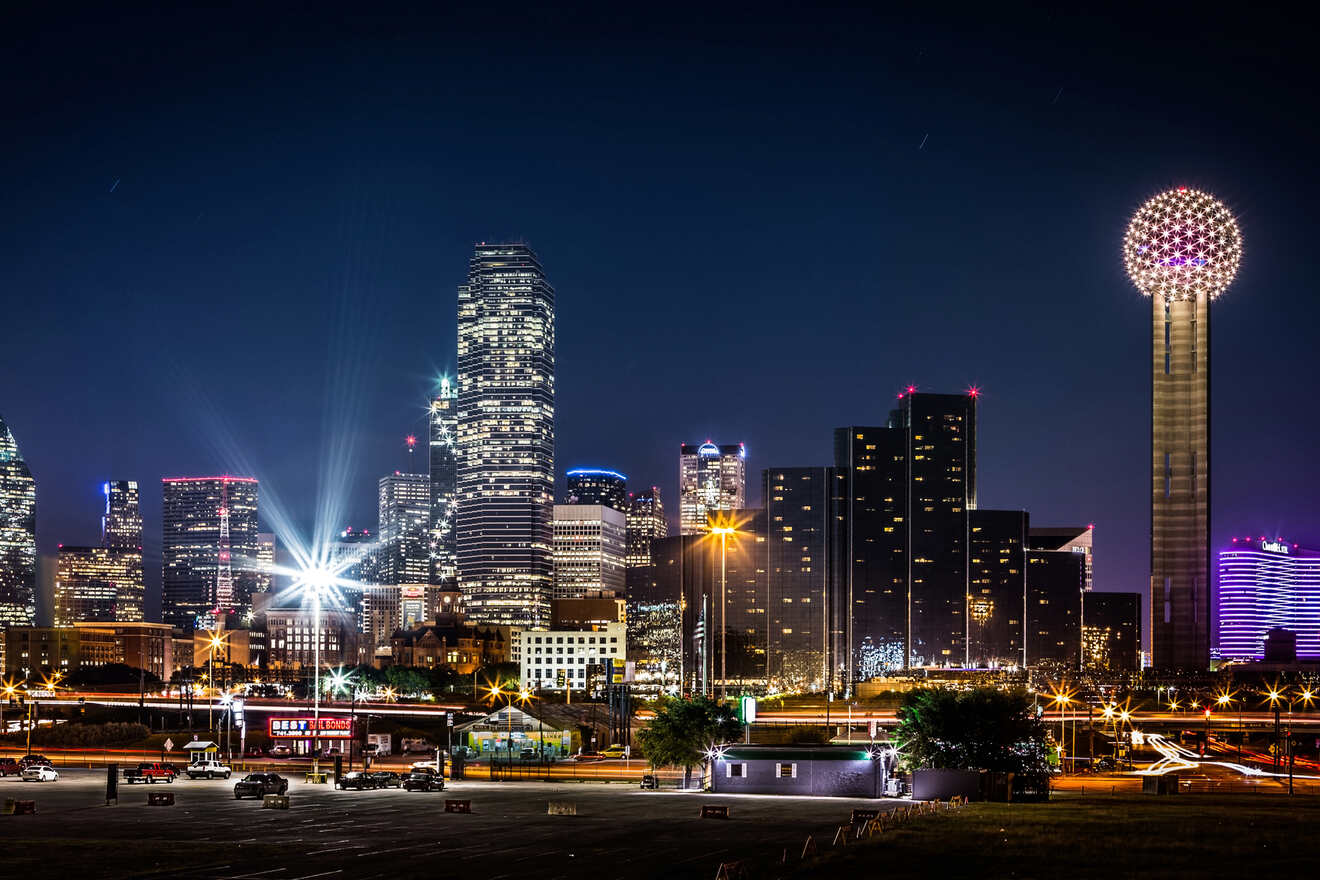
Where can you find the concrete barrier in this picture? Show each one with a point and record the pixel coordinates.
(275, 802)
(561, 808)
(160, 798)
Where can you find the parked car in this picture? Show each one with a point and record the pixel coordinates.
(1104, 764)
(260, 785)
(40, 773)
(150, 772)
(423, 779)
(9, 767)
(588, 756)
(208, 769)
(254, 752)
(415, 744)
(34, 760)
(280, 751)
(387, 778)
(356, 780)
(615, 752)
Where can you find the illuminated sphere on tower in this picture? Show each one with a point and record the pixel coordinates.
(1181, 244)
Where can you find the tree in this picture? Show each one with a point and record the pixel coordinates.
(980, 729)
(683, 731)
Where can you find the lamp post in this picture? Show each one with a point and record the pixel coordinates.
(216, 639)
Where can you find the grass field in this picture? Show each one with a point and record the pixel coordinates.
(1072, 837)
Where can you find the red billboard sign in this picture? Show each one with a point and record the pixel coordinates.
(302, 727)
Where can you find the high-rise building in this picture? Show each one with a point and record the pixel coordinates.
(598, 486)
(18, 535)
(799, 524)
(996, 588)
(1267, 584)
(870, 601)
(121, 526)
(444, 484)
(1182, 250)
(1055, 579)
(1074, 539)
(404, 528)
(356, 556)
(265, 561)
(646, 524)
(939, 433)
(1111, 631)
(208, 548)
(506, 437)
(589, 547)
(105, 584)
(711, 480)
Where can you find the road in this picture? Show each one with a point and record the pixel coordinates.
(619, 831)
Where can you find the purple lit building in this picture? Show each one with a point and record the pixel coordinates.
(1266, 584)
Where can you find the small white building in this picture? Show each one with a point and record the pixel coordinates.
(557, 660)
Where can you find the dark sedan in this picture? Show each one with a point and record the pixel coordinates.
(357, 781)
(387, 779)
(9, 767)
(423, 779)
(259, 785)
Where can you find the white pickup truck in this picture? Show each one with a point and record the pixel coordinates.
(207, 770)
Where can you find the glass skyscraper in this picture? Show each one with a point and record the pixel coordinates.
(711, 480)
(209, 552)
(799, 533)
(444, 484)
(506, 437)
(1267, 584)
(18, 535)
(598, 486)
(404, 528)
(104, 584)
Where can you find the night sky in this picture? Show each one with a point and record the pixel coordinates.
(230, 237)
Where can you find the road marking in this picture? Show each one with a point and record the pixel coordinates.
(322, 874)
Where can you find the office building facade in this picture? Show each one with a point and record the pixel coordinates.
(997, 588)
(799, 522)
(590, 543)
(18, 535)
(506, 437)
(1055, 582)
(404, 528)
(1111, 631)
(1267, 584)
(712, 481)
(444, 484)
(208, 549)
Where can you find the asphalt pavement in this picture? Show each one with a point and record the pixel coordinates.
(619, 831)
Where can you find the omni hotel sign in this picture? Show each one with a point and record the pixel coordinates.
(303, 728)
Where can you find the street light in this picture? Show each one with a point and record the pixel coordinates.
(215, 640)
(1062, 699)
(316, 583)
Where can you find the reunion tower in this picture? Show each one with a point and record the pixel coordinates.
(1182, 250)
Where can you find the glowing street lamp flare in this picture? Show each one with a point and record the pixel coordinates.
(1182, 243)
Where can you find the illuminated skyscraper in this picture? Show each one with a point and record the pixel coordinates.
(18, 535)
(266, 561)
(444, 484)
(208, 548)
(506, 437)
(1268, 584)
(711, 479)
(590, 540)
(1182, 250)
(646, 523)
(598, 486)
(104, 584)
(799, 576)
(404, 528)
(121, 526)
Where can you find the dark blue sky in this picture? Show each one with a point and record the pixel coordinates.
(748, 238)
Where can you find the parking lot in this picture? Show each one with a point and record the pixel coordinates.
(619, 831)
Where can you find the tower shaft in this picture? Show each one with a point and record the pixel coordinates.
(1180, 484)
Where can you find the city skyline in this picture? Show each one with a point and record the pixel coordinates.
(1052, 348)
